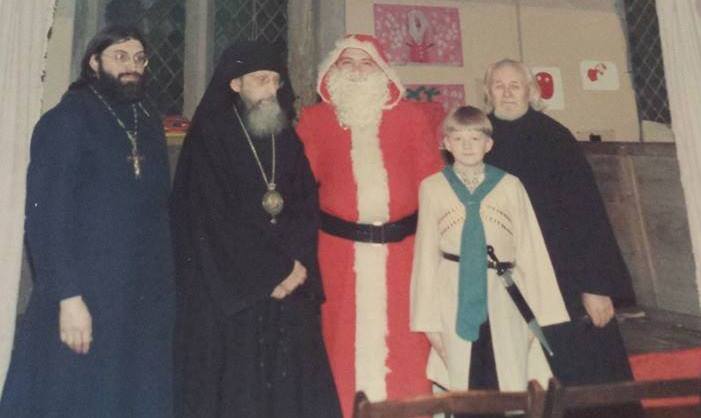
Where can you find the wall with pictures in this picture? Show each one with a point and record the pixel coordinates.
(441, 49)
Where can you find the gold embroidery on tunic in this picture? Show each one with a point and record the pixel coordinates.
(454, 216)
(500, 212)
(498, 217)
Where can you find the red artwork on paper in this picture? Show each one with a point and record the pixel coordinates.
(546, 84)
(436, 101)
(448, 95)
(419, 34)
(599, 75)
(593, 73)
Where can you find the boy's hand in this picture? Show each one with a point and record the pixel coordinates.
(75, 324)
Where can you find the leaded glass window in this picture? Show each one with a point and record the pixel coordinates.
(646, 60)
(249, 19)
(163, 25)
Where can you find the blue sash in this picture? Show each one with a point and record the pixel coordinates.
(472, 284)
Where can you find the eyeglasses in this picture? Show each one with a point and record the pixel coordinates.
(265, 79)
(140, 59)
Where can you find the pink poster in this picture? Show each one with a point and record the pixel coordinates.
(448, 95)
(419, 34)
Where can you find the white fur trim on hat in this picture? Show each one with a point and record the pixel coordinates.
(367, 46)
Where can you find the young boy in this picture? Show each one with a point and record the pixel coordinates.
(479, 338)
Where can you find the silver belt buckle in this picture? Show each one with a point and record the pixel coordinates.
(381, 237)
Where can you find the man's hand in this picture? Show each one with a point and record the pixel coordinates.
(75, 324)
(437, 343)
(291, 282)
(599, 308)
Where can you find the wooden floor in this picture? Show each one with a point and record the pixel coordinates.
(658, 330)
(689, 412)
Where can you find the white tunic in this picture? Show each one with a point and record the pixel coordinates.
(511, 228)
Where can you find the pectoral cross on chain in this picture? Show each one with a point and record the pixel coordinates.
(135, 158)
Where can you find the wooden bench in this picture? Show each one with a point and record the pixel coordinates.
(531, 401)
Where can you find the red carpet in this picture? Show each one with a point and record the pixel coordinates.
(668, 365)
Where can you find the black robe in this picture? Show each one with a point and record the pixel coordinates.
(93, 229)
(238, 351)
(545, 156)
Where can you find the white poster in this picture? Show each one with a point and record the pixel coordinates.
(599, 75)
(552, 91)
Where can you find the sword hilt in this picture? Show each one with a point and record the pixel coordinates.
(497, 265)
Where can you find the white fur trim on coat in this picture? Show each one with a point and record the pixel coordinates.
(371, 349)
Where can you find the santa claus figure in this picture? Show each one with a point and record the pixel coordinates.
(369, 150)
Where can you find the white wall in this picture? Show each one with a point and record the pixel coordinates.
(541, 33)
(60, 54)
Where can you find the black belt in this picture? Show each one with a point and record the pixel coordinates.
(451, 257)
(500, 267)
(379, 234)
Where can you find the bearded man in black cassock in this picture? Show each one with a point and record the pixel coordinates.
(96, 339)
(245, 217)
(588, 263)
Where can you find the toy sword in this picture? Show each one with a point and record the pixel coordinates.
(504, 271)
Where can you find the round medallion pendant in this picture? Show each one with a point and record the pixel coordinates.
(273, 202)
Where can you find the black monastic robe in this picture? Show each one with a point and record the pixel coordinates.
(93, 229)
(545, 156)
(239, 352)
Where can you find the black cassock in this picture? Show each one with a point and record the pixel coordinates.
(93, 229)
(239, 352)
(545, 156)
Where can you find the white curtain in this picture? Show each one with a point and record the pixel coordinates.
(313, 26)
(303, 47)
(680, 31)
(24, 25)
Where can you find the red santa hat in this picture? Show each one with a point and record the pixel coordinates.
(371, 46)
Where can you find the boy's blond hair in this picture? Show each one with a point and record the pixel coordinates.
(467, 118)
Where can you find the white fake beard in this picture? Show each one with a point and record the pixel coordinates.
(358, 99)
(265, 118)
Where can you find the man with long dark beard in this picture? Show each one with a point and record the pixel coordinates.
(369, 150)
(95, 340)
(245, 217)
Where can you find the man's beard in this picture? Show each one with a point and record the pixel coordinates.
(512, 108)
(510, 114)
(265, 117)
(358, 99)
(122, 91)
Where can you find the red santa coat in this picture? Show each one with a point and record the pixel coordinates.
(360, 174)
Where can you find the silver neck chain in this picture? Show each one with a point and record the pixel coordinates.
(270, 183)
(131, 134)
